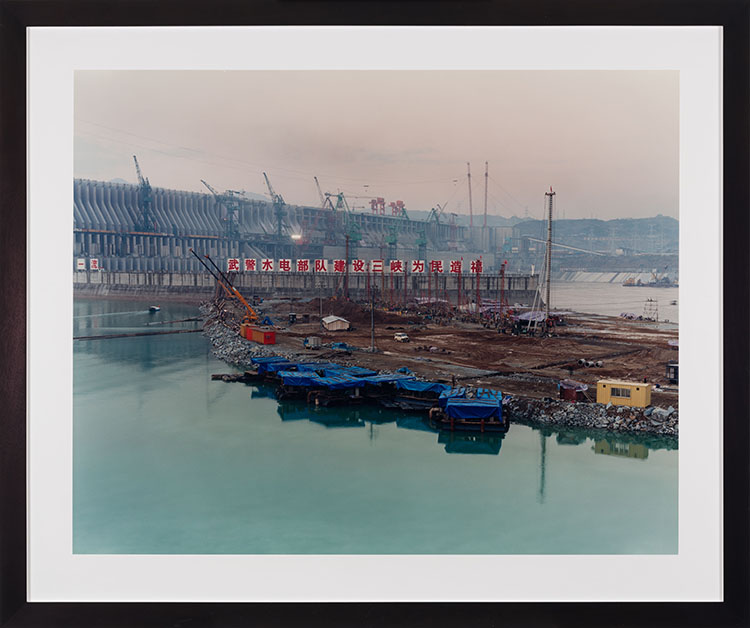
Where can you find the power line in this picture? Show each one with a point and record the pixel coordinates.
(260, 167)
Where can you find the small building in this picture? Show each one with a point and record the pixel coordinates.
(335, 323)
(620, 393)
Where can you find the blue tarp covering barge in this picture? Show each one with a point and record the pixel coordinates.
(414, 385)
(310, 379)
(474, 409)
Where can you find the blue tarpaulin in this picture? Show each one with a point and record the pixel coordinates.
(385, 378)
(473, 409)
(313, 380)
(414, 385)
(336, 369)
(264, 359)
(316, 366)
(274, 367)
(299, 378)
(453, 393)
(356, 371)
(486, 393)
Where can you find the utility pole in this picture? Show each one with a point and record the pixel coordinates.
(346, 276)
(471, 211)
(486, 177)
(551, 195)
(372, 320)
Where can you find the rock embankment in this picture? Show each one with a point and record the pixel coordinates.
(594, 416)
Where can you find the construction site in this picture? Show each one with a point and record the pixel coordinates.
(373, 289)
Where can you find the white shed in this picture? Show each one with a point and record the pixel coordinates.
(335, 323)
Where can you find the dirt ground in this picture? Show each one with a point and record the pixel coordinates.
(529, 366)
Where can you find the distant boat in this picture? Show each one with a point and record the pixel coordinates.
(154, 308)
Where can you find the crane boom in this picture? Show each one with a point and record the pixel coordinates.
(141, 180)
(214, 192)
(320, 193)
(145, 220)
(277, 198)
(252, 315)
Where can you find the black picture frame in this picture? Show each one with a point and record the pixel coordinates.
(732, 15)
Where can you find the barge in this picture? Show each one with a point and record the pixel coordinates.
(328, 384)
(483, 413)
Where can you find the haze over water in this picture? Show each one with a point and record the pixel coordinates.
(167, 461)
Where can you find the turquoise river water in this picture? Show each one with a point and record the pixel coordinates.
(167, 461)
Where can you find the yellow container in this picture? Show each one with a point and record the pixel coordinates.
(620, 393)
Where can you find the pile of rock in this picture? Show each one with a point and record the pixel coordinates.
(594, 416)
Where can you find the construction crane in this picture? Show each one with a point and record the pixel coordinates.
(278, 206)
(145, 220)
(230, 200)
(392, 241)
(320, 194)
(251, 316)
(435, 213)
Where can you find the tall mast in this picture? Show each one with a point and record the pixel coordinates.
(486, 177)
(550, 196)
(471, 212)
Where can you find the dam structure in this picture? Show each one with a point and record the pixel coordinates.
(133, 238)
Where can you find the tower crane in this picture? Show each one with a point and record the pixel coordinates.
(278, 206)
(230, 200)
(145, 220)
(435, 213)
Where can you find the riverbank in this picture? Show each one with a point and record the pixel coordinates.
(531, 395)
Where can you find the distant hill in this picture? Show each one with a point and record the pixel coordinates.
(463, 219)
(660, 234)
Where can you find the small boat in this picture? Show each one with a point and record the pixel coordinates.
(154, 308)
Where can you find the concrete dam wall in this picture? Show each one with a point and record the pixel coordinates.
(521, 289)
(106, 227)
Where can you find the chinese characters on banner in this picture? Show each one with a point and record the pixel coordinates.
(94, 264)
(415, 266)
(80, 264)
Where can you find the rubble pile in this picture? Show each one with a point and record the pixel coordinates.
(594, 416)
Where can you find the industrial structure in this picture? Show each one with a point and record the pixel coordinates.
(139, 228)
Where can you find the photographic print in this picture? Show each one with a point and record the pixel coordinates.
(376, 312)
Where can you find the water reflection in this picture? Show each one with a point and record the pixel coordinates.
(470, 443)
(616, 448)
(372, 416)
(622, 445)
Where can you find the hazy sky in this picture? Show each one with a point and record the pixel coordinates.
(606, 141)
